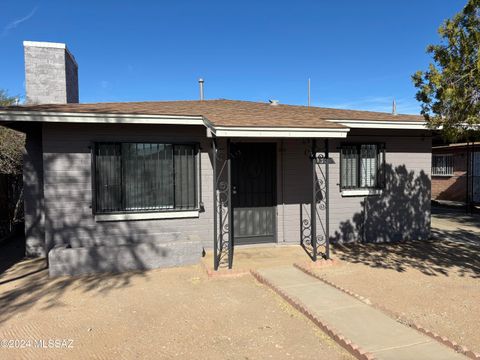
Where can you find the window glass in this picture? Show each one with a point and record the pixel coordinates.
(145, 177)
(361, 166)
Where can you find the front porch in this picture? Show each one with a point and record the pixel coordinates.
(254, 257)
(269, 191)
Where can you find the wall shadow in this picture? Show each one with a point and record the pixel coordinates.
(458, 214)
(456, 191)
(12, 250)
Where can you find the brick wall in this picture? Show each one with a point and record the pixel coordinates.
(454, 187)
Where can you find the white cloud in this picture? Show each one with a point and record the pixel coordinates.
(14, 24)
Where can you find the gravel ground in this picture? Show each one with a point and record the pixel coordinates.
(435, 283)
(172, 313)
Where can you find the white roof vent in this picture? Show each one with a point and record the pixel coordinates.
(274, 102)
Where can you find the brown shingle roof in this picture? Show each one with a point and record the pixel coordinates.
(229, 112)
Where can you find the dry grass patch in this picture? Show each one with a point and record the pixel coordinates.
(173, 313)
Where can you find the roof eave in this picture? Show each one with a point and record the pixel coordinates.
(383, 124)
(277, 132)
(105, 118)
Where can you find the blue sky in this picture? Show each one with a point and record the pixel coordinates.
(359, 54)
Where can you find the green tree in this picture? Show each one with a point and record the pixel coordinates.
(11, 142)
(11, 154)
(5, 99)
(449, 90)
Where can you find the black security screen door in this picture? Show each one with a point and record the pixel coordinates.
(253, 192)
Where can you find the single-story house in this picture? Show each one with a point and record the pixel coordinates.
(452, 179)
(116, 186)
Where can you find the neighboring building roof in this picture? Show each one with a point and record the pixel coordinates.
(455, 146)
(229, 113)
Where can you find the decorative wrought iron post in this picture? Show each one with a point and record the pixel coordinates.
(327, 203)
(215, 235)
(222, 203)
(230, 214)
(313, 208)
(315, 230)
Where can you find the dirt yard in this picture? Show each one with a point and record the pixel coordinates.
(435, 284)
(174, 313)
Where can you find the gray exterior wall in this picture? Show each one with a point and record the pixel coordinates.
(68, 189)
(33, 192)
(402, 211)
(51, 75)
(294, 189)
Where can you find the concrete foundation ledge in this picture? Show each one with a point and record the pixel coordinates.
(121, 258)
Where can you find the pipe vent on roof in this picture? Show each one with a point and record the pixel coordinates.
(200, 84)
(274, 102)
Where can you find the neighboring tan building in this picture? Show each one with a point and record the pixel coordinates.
(120, 186)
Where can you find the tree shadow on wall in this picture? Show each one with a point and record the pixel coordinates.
(400, 213)
(392, 231)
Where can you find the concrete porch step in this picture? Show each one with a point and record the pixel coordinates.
(366, 327)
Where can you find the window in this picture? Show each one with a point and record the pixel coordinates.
(141, 177)
(442, 165)
(361, 165)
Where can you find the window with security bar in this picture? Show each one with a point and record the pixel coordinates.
(361, 166)
(442, 165)
(143, 177)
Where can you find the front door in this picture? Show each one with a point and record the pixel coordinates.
(254, 192)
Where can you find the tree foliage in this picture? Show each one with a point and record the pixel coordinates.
(11, 143)
(5, 99)
(449, 90)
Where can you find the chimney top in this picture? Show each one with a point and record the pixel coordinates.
(51, 73)
(52, 45)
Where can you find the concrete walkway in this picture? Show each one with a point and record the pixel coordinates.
(368, 328)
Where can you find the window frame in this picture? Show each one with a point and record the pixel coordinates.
(380, 176)
(197, 177)
(447, 155)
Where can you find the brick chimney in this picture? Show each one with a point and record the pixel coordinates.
(51, 73)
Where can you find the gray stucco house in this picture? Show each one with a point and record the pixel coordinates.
(118, 186)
